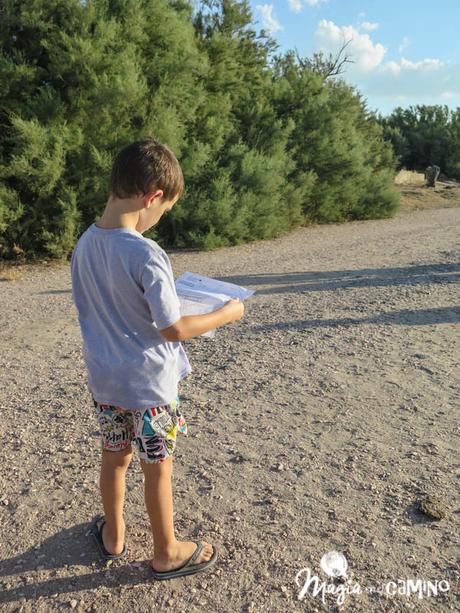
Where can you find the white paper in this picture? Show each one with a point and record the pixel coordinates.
(212, 286)
(199, 294)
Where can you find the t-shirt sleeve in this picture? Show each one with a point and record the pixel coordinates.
(160, 291)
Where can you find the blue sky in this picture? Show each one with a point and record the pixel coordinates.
(405, 52)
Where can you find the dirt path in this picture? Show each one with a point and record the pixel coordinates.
(315, 424)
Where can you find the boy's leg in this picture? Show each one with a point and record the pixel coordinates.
(169, 553)
(112, 483)
(159, 503)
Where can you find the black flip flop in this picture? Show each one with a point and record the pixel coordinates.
(188, 568)
(96, 532)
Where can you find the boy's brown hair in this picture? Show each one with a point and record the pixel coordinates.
(144, 166)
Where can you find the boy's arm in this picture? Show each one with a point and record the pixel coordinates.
(190, 326)
(160, 292)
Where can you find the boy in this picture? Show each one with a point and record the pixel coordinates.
(128, 310)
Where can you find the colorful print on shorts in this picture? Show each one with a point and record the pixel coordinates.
(153, 430)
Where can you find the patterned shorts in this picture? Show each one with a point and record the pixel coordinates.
(153, 430)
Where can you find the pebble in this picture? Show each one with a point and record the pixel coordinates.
(73, 603)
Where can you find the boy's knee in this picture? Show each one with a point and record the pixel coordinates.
(156, 468)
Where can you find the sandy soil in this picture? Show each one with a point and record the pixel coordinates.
(315, 424)
(415, 195)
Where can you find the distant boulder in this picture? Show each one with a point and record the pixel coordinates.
(431, 175)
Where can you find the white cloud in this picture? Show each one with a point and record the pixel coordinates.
(269, 22)
(369, 26)
(406, 65)
(365, 54)
(417, 82)
(315, 2)
(422, 65)
(295, 5)
(404, 44)
(392, 83)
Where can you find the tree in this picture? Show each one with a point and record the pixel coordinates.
(330, 66)
(422, 136)
(266, 141)
(82, 81)
(337, 145)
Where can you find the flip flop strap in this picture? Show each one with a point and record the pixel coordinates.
(196, 553)
(100, 522)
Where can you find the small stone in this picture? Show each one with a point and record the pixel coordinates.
(433, 507)
(73, 603)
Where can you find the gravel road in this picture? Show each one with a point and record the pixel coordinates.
(316, 423)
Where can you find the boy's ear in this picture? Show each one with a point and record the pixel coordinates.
(151, 196)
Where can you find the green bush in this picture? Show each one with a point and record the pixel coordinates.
(266, 143)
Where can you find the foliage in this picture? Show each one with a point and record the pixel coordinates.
(266, 142)
(425, 135)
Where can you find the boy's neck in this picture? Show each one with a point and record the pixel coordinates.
(119, 214)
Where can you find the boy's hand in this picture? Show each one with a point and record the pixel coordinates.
(234, 308)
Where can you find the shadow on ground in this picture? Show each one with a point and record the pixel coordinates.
(315, 281)
(83, 552)
(406, 317)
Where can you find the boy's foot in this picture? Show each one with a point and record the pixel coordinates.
(179, 557)
(110, 547)
(113, 553)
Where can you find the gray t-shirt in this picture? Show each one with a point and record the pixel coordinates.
(124, 292)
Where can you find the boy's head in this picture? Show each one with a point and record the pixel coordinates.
(147, 172)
